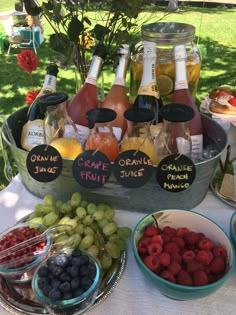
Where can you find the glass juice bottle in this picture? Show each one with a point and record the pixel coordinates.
(101, 136)
(137, 136)
(166, 35)
(174, 137)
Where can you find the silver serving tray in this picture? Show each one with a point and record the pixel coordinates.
(19, 299)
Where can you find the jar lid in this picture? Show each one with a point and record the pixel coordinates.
(55, 98)
(168, 32)
(177, 112)
(100, 115)
(139, 114)
(52, 69)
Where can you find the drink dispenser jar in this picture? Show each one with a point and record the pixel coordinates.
(166, 35)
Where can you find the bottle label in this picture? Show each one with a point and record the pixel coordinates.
(49, 84)
(150, 89)
(91, 80)
(78, 132)
(183, 146)
(181, 85)
(32, 134)
(197, 146)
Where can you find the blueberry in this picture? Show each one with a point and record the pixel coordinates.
(85, 259)
(43, 271)
(77, 261)
(65, 277)
(46, 289)
(65, 287)
(84, 271)
(55, 283)
(67, 296)
(75, 283)
(86, 283)
(54, 295)
(62, 260)
(78, 292)
(42, 282)
(74, 271)
(57, 271)
(51, 260)
(76, 252)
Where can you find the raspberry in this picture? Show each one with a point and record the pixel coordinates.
(176, 257)
(205, 243)
(171, 247)
(194, 265)
(182, 231)
(164, 259)
(188, 255)
(219, 251)
(200, 278)
(218, 265)
(157, 239)
(205, 257)
(151, 230)
(166, 275)
(154, 249)
(169, 231)
(165, 238)
(179, 241)
(142, 246)
(191, 238)
(174, 268)
(152, 262)
(184, 278)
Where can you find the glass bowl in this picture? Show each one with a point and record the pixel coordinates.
(23, 270)
(176, 218)
(77, 304)
(232, 229)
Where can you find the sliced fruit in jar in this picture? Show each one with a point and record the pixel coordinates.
(165, 84)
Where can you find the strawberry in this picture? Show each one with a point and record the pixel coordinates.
(232, 101)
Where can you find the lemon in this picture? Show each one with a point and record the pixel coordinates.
(165, 84)
(68, 148)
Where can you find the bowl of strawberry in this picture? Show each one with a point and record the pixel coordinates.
(185, 254)
(67, 282)
(19, 258)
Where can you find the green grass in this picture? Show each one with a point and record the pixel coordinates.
(215, 29)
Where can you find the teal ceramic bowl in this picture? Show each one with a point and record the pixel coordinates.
(196, 222)
(232, 229)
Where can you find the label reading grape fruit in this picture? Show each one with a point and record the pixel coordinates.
(44, 163)
(175, 173)
(91, 169)
(133, 168)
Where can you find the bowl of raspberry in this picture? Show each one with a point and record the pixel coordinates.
(185, 254)
(19, 258)
(67, 282)
(232, 228)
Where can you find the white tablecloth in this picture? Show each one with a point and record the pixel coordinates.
(134, 295)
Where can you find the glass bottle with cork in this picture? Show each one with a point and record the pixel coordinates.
(166, 35)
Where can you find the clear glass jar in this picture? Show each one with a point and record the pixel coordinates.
(174, 137)
(167, 35)
(138, 136)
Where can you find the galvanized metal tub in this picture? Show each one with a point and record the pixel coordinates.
(147, 198)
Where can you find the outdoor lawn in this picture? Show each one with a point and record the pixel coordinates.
(215, 32)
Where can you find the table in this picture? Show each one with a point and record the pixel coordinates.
(134, 294)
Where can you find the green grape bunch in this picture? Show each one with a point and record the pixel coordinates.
(92, 226)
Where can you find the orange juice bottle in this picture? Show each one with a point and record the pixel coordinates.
(101, 136)
(138, 135)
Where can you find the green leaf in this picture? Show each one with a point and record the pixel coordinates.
(100, 31)
(48, 5)
(75, 28)
(87, 20)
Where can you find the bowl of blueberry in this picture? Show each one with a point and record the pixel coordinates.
(22, 248)
(67, 282)
(185, 254)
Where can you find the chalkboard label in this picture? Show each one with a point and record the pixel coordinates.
(91, 169)
(176, 173)
(133, 168)
(44, 163)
